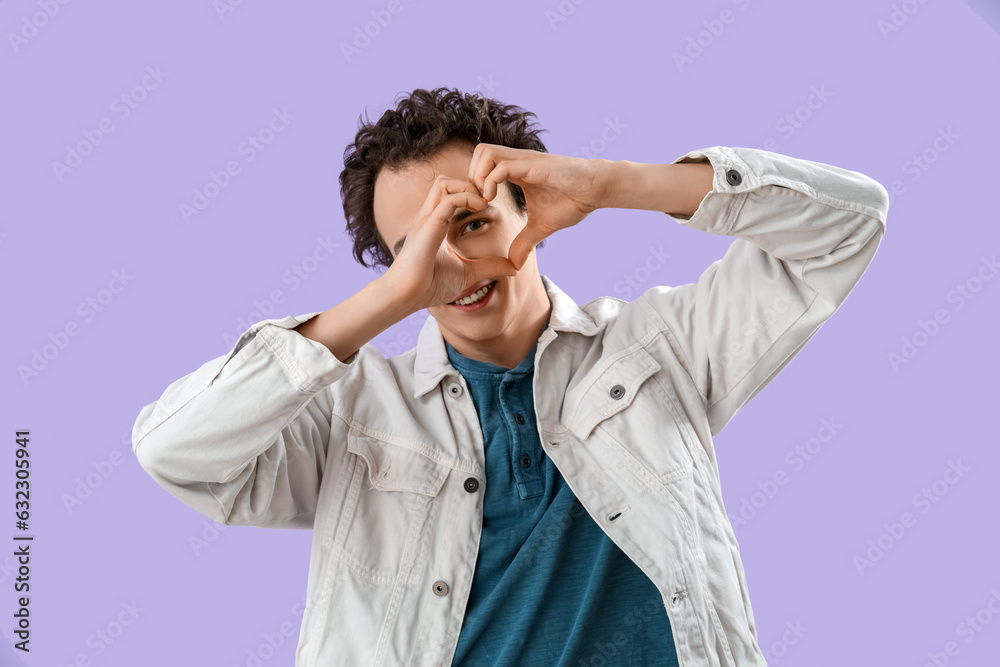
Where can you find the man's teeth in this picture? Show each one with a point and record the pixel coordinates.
(475, 296)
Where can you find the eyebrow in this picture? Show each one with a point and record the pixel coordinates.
(459, 216)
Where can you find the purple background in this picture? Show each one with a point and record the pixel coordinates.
(191, 287)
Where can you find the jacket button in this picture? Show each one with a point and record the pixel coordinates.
(440, 588)
(617, 391)
(509, 384)
(526, 461)
(455, 390)
(734, 177)
(472, 485)
(518, 418)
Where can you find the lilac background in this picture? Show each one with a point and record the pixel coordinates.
(195, 285)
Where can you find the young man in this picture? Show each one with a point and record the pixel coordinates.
(536, 482)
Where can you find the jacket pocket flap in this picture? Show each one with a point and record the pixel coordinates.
(397, 465)
(613, 389)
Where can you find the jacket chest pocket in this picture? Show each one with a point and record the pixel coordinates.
(630, 422)
(391, 501)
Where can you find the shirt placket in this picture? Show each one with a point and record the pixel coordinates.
(526, 458)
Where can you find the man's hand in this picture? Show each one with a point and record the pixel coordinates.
(428, 271)
(559, 191)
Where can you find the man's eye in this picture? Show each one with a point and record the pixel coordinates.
(472, 222)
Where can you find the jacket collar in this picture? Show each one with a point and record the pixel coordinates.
(431, 363)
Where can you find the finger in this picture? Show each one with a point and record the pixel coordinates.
(517, 171)
(500, 173)
(487, 267)
(445, 200)
(485, 158)
(477, 159)
(522, 245)
(468, 199)
(484, 267)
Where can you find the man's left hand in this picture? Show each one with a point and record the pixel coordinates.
(559, 191)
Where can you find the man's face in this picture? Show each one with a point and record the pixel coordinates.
(399, 196)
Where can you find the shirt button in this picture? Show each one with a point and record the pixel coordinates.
(440, 588)
(518, 418)
(472, 485)
(734, 177)
(455, 390)
(509, 384)
(526, 461)
(617, 391)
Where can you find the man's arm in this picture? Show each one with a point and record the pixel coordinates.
(243, 439)
(805, 233)
(645, 186)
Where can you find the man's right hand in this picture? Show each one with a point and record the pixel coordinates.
(428, 271)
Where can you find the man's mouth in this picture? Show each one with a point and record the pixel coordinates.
(475, 297)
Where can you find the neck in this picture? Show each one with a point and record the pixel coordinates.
(511, 347)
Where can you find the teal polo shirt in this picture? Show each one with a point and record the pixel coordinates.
(550, 588)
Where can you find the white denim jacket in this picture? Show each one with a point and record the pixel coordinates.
(375, 455)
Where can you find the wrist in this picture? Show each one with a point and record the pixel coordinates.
(674, 189)
(396, 297)
(620, 176)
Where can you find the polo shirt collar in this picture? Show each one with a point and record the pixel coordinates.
(431, 362)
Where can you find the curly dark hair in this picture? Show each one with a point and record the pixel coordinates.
(422, 123)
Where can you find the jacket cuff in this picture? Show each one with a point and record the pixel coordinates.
(742, 170)
(716, 213)
(310, 365)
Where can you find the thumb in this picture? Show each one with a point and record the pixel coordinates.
(521, 247)
(487, 266)
(492, 266)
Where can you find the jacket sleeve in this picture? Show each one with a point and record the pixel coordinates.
(243, 438)
(805, 233)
